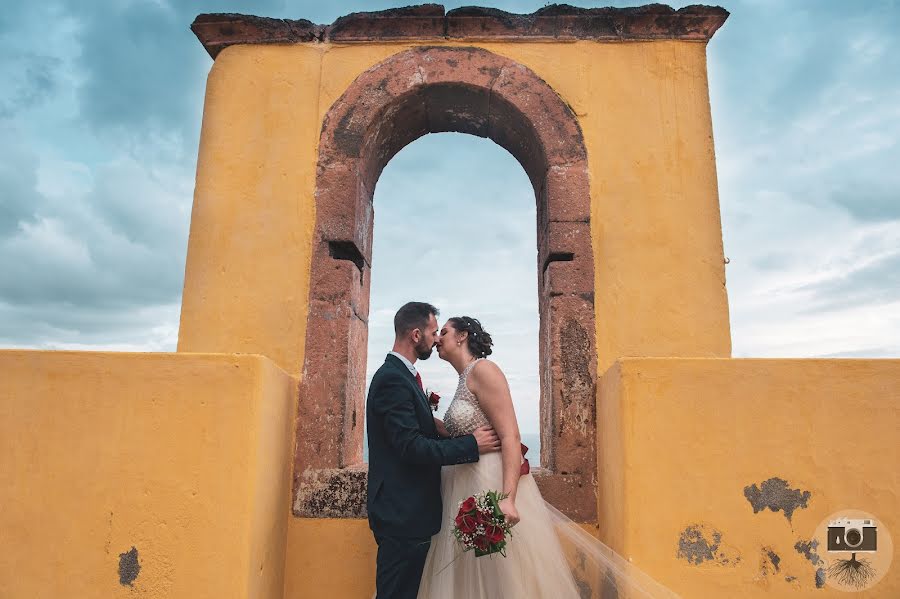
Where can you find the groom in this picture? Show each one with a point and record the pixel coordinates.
(406, 454)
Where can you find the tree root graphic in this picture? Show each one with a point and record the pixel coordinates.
(852, 572)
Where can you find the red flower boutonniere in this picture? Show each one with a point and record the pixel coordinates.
(433, 399)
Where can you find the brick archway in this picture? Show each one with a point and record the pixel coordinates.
(413, 93)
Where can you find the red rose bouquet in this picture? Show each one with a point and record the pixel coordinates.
(481, 525)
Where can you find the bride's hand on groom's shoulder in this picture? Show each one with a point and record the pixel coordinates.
(508, 507)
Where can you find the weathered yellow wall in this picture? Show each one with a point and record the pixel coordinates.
(329, 559)
(680, 439)
(185, 457)
(253, 198)
(333, 558)
(644, 111)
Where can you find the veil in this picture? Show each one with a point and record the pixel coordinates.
(600, 572)
(549, 556)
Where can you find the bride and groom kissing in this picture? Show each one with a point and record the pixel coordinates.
(421, 469)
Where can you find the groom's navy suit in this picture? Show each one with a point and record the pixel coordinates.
(405, 459)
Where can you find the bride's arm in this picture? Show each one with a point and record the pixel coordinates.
(443, 433)
(489, 385)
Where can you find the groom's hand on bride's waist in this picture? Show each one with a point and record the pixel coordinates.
(487, 439)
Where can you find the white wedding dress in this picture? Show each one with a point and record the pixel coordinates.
(548, 555)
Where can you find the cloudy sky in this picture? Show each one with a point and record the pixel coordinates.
(100, 112)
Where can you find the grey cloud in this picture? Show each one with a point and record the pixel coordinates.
(18, 181)
(772, 260)
(139, 75)
(63, 325)
(874, 284)
(135, 201)
(145, 69)
(820, 98)
(869, 352)
(806, 52)
(55, 319)
(34, 45)
(81, 267)
(873, 199)
(49, 262)
(12, 15)
(29, 79)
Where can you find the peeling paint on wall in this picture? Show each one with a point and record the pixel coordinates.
(776, 495)
(584, 589)
(129, 568)
(769, 562)
(770, 565)
(774, 559)
(609, 590)
(820, 578)
(699, 543)
(808, 550)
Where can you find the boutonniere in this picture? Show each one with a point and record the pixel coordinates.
(433, 399)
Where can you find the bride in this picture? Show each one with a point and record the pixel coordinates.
(548, 555)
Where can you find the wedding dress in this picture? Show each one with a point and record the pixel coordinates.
(548, 555)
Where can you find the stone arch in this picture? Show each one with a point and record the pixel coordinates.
(428, 90)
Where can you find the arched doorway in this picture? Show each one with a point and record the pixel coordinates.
(428, 90)
(455, 226)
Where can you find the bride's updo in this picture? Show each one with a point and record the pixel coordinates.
(479, 340)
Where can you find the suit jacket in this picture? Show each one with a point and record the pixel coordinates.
(406, 454)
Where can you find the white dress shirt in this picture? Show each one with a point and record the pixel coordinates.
(406, 362)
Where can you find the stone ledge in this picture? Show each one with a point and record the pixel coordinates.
(332, 493)
(431, 22)
(341, 493)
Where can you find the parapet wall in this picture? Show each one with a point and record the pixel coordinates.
(714, 474)
(161, 475)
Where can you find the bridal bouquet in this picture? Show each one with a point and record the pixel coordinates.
(481, 525)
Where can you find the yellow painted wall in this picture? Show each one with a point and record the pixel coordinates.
(333, 558)
(329, 559)
(680, 439)
(644, 111)
(184, 457)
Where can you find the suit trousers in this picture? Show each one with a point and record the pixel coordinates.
(398, 567)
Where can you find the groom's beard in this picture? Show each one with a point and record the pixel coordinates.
(423, 351)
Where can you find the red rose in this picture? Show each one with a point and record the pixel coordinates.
(434, 399)
(525, 468)
(465, 523)
(483, 517)
(481, 543)
(494, 534)
(467, 506)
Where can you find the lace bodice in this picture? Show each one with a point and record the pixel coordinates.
(464, 414)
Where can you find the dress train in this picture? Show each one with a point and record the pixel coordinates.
(548, 555)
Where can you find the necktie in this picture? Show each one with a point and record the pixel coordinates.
(419, 380)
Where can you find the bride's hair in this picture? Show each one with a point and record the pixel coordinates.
(479, 340)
